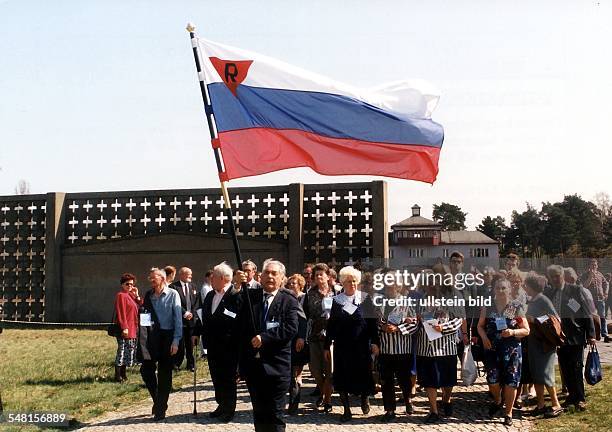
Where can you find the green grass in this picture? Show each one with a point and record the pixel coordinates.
(597, 417)
(68, 371)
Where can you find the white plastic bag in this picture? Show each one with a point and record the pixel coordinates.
(468, 367)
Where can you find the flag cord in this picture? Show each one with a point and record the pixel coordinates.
(218, 159)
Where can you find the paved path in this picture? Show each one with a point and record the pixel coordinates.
(470, 406)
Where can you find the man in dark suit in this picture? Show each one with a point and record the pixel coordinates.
(249, 268)
(577, 324)
(265, 360)
(221, 326)
(188, 294)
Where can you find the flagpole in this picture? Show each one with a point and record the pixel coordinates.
(217, 152)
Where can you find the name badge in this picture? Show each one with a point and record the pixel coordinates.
(573, 305)
(229, 313)
(349, 308)
(327, 303)
(271, 325)
(500, 323)
(145, 320)
(542, 319)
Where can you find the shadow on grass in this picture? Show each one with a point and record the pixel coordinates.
(73, 381)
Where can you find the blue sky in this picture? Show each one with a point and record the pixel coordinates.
(102, 95)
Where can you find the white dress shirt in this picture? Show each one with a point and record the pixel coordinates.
(217, 298)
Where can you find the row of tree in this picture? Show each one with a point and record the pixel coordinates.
(572, 227)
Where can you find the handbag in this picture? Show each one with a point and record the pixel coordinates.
(468, 367)
(592, 369)
(113, 328)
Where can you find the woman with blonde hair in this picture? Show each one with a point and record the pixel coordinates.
(352, 328)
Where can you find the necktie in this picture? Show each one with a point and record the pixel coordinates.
(187, 296)
(264, 315)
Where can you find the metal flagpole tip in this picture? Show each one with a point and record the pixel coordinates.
(190, 27)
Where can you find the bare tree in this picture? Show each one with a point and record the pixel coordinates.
(22, 188)
(604, 206)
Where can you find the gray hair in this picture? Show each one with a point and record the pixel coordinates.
(569, 271)
(349, 271)
(162, 272)
(554, 269)
(183, 270)
(249, 263)
(488, 270)
(223, 270)
(504, 282)
(272, 261)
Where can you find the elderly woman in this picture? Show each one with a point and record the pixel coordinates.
(126, 306)
(396, 326)
(519, 298)
(317, 307)
(541, 361)
(501, 326)
(299, 350)
(352, 329)
(437, 342)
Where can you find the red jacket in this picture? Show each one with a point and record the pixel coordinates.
(126, 310)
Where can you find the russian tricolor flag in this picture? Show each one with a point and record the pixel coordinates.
(272, 116)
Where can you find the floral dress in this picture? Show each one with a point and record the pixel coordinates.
(504, 361)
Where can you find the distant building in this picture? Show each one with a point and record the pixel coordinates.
(421, 241)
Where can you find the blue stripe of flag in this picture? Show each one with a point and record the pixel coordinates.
(320, 113)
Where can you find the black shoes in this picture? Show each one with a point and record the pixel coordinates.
(507, 421)
(159, 416)
(365, 404)
(216, 413)
(387, 417)
(432, 418)
(226, 417)
(292, 409)
(327, 408)
(118, 376)
(319, 402)
(223, 417)
(448, 408)
(409, 408)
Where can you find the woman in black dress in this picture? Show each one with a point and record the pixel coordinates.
(352, 328)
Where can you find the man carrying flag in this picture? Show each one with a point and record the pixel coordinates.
(265, 115)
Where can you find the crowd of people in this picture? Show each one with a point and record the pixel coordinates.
(266, 327)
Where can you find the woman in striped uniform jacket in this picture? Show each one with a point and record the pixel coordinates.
(437, 358)
(396, 327)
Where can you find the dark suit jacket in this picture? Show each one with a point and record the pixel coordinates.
(275, 353)
(193, 291)
(220, 330)
(578, 326)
